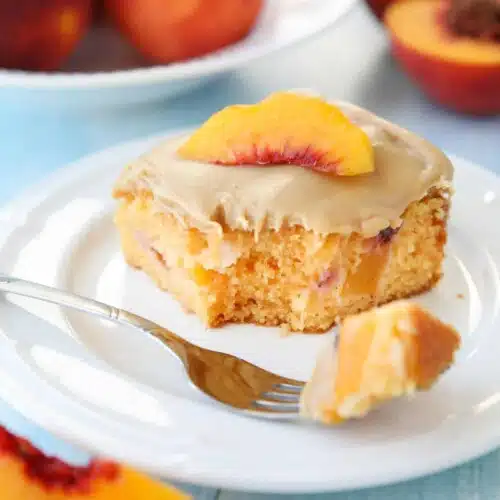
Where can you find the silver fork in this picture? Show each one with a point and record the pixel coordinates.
(224, 378)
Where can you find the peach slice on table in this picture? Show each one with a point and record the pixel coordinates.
(28, 474)
(286, 128)
(459, 71)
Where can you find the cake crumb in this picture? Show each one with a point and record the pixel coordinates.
(460, 296)
(285, 330)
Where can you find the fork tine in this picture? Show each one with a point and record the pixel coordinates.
(286, 397)
(288, 388)
(276, 406)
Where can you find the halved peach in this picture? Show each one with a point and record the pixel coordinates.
(460, 72)
(27, 474)
(286, 128)
(378, 7)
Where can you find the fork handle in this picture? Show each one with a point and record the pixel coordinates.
(10, 284)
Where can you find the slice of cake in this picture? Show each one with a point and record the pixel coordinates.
(294, 212)
(379, 355)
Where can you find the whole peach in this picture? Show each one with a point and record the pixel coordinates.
(41, 34)
(173, 30)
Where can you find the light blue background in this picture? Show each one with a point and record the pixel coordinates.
(349, 62)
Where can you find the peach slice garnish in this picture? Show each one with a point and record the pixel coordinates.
(284, 129)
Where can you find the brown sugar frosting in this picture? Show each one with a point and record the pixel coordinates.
(254, 197)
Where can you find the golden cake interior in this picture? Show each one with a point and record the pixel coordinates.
(290, 277)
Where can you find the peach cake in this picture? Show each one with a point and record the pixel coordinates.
(381, 354)
(294, 211)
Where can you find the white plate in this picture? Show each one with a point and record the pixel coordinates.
(117, 392)
(282, 24)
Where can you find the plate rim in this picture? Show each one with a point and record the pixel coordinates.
(197, 67)
(63, 426)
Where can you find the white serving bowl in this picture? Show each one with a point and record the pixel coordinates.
(120, 76)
